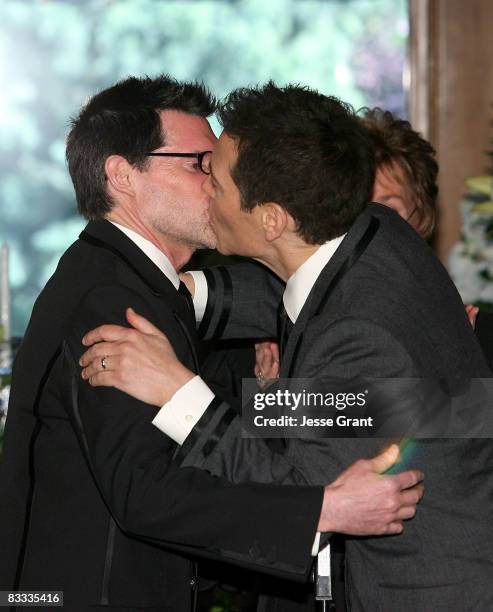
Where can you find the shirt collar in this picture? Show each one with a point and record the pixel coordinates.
(155, 255)
(301, 282)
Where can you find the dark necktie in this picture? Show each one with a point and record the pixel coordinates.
(284, 327)
(184, 292)
(188, 323)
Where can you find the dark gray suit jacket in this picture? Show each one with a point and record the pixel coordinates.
(383, 307)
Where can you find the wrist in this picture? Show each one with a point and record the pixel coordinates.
(180, 379)
(326, 521)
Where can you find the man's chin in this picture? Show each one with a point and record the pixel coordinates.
(209, 239)
(207, 244)
(205, 238)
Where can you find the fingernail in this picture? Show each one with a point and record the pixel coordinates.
(84, 340)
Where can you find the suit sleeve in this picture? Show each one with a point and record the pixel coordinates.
(187, 510)
(242, 302)
(351, 348)
(215, 444)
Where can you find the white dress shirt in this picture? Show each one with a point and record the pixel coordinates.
(301, 282)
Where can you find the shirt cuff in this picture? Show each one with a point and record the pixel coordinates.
(200, 294)
(316, 544)
(179, 416)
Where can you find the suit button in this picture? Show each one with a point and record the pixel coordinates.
(193, 582)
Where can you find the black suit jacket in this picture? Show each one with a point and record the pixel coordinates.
(92, 502)
(484, 332)
(383, 307)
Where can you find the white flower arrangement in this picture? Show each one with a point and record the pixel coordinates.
(471, 259)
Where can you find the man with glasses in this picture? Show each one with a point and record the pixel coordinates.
(92, 502)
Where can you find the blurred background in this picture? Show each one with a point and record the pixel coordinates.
(429, 61)
(426, 60)
(55, 54)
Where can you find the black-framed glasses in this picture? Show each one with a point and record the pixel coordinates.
(203, 158)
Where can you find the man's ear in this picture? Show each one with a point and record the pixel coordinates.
(275, 221)
(118, 173)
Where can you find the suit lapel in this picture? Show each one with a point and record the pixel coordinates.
(103, 234)
(352, 247)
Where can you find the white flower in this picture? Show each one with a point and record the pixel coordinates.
(471, 259)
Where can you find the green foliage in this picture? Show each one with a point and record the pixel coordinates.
(56, 53)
